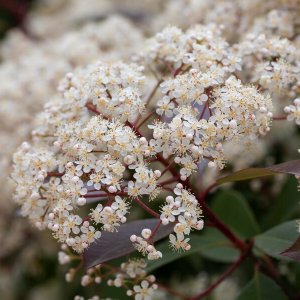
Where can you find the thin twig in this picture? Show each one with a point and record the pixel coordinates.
(55, 174)
(154, 231)
(279, 118)
(229, 271)
(168, 181)
(237, 242)
(146, 208)
(145, 119)
(91, 107)
(167, 167)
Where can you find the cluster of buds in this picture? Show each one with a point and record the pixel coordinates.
(143, 244)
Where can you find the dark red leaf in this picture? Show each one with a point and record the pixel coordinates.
(112, 245)
(290, 167)
(293, 252)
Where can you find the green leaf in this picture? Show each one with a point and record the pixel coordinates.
(290, 167)
(276, 240)
(209, 244)
(286, 204)
(239, 217)
(261, 288)
(217, 247)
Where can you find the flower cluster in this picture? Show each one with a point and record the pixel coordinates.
(143, 287)
(90, 155)
(115, 90)
(234, 110)
(279, 22)
(96, 151)
(234, 16)
(111, 216)
(272, 62)
(30, 71)
(50, 18)
(200, 47)
(88, 148)
(293, 111)
(185, 212)
(107, 141)
(131, 272)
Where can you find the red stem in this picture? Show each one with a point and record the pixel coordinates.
(168, 181)
(91, 107)
(55, 174)
(238, 243)
(269, 268)
(203, 110)
(154, 231)
(149, 98)
(177, 71)
(217, 222)
(104, 194)
(279, 118)
(146, 208)
(95, 196)
(172, 170)
(167, 168)
(205, 193)
(145, 119)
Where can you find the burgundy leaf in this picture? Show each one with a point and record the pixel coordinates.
(112, 245)
(290, 167)
(293, 252)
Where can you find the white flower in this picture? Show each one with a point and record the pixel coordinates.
(144, 291)
(178, 243)
(293, 111)
(165, 107)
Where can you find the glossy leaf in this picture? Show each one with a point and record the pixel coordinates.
(218, 248)
(112, 245)
(290, 167)
(239, 217)
(274, 241)
(285, 206)
(261, 288)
